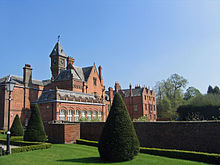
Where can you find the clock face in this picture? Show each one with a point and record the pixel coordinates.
(62, 61)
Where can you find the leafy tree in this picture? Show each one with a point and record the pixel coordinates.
(164, 109)
(16, 128)
(172, 89)
(216, 90)
(210, 90)
(118, 140)
(35, 129)
(191, 92)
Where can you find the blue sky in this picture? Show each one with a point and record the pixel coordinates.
(135, 41)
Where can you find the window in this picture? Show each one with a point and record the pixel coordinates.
(89, 115)
(94, 115)
(62, 114)
(76, 115)
(83, 114)
(100, 115)
(94, 81)
(135, 108)
(145, 98)
(70, 115)
(145, 107)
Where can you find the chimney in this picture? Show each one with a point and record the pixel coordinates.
(27, 75)
(70, 63)
(110, 94)
(117, 87)
(100, 74)
(130, 89)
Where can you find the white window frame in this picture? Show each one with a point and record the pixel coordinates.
(100, 115)
(89, 115)
(83, 114)
(77, 112)
(94, 115)
(70, 115)
(62, 114)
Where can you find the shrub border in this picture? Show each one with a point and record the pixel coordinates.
(179, 154)
(26, 146)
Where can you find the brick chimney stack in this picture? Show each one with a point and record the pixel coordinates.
(130, 90)
(100, 74)
(70, 63)
(111, 96)
(27, 75)
(117, 87)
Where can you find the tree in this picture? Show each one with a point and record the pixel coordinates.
(172, 89)
(164, 109)
(210, 90)
(216, 90)
(16, 128)
(35, 129)
(191, 92)
(118, 140)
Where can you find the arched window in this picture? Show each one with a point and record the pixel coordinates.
(83, 114)
(94, 115)
(89, 115)
(100, 115)
(62, 114)
(70, 115)
(76, 115)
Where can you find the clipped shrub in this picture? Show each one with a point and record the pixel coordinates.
(118, 140)
(16, 128)
(35, 130)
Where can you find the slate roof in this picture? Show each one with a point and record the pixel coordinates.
(77, 73)
(135, 92)
(19, 80)
(51, 95)
(58, 50)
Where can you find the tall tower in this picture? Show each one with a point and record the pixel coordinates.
(58, 58)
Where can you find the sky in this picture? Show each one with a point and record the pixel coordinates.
(135, 41)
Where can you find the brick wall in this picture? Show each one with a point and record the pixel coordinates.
(63, 133)
(194, 136)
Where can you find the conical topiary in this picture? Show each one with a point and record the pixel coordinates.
(16, 128)
(35, 129)
(118, 141)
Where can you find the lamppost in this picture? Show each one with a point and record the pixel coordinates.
(9, 87)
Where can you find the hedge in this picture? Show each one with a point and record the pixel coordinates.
(179, 154)
(26, 146)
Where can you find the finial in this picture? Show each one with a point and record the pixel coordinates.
(58, 38)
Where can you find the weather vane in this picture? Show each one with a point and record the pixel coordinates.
(58, 38)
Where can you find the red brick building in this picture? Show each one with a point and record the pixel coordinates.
(139, 101)
(73, 93)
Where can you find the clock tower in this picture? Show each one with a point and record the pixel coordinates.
(58, 58)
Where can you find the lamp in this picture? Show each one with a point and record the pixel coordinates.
(9, 86)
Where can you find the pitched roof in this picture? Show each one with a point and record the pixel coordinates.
(77, 73)
(19, 80)
(58, 50)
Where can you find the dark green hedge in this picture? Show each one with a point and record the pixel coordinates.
(19, 143)
(87, 142)
(192, 112)
(30, 148)
(179, 154)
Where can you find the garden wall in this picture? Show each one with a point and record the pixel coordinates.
(193, 136)
(63, 132)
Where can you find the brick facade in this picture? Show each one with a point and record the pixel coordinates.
(71, 94)
(139, 101)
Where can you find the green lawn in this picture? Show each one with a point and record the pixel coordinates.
(64, 154)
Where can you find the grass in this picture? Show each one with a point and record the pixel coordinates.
(76, 154)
